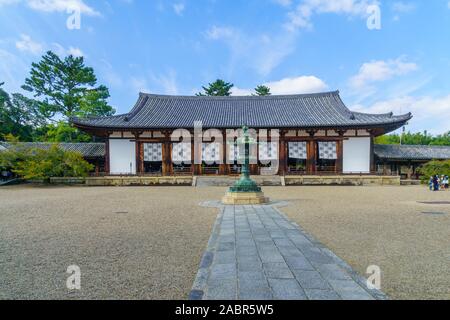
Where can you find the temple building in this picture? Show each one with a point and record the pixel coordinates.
(315, 134)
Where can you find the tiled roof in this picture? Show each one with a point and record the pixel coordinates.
(291, 111)
(403, 152)
(88, 150)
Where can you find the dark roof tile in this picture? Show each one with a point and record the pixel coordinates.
(291, 111)
(404, 152)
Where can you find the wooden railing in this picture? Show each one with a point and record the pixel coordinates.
(182, 171)
(210, 170)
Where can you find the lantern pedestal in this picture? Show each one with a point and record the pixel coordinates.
(245, 191)
(244, 198)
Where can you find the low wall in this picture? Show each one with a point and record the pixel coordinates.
(348, 180)
(139, 181)
(341, 180)
(68, 181)
(124, 181)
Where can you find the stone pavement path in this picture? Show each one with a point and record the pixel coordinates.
(256, 253)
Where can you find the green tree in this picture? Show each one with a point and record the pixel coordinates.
(61, 132)
(433, 168)
(262, 91)
(217, 88)
(415, 139)
(19, 116)
(67, 88)
(43, 164)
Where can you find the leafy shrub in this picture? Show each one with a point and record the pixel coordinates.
(433, 168)
(43, 164)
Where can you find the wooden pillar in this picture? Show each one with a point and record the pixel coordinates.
(340, 157)
(138, 154)
(311, 161)
(97, 167)
(283, 155)
(196, 168)
(223, 166)
(254, 168)
(107, 160)
(372, 154)
(166, 155)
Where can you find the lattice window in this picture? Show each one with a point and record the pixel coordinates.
(268, 151)
(211, 152)
(234, 152)
(298, 150)
(153, 152)
(328, 150)
(182, 153)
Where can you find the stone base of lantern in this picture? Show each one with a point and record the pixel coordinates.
(244, 198)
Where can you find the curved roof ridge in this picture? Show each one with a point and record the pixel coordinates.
(283, 111)
(271, 97)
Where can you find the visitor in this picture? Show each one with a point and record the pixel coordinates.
(446, 182)
(431, 183)
(436, 183)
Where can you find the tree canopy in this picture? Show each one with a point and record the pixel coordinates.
(415, 139)
(262, 91)
(43, 164)
(67, 88)
(218, 88)
(19, 115)
(61, 89)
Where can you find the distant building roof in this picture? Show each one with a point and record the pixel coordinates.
(289, 111)
(88, 150)
(404, 152)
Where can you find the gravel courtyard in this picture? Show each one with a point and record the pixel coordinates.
(146, 243)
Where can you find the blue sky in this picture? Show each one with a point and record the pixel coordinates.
(294, 46)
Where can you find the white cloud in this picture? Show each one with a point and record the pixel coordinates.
(12, 68)
(62, 6)
(156, 83)
(139, 84)
(26, 44)
(302, 15)
(56, 6)
(430, 113)
(62, 52)
(217, 33)
(76, 52)
(8, 2)
(297, 85)
(380, 70)
(236, 91)
(261, 52)
(287, 86)
(403, 7)
(166, 82)
(179, 8)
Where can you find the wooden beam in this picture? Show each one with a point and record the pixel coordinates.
(340, 157)
(107, 157)
(283, 155)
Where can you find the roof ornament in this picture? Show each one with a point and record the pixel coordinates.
(352, 116)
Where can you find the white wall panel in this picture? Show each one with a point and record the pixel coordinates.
(357, 155)
(122, 156)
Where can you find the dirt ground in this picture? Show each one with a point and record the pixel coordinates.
(383, 226)
(130, 243)
(146, 242)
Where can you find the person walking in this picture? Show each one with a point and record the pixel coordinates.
(436, 183)
(431, 183)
